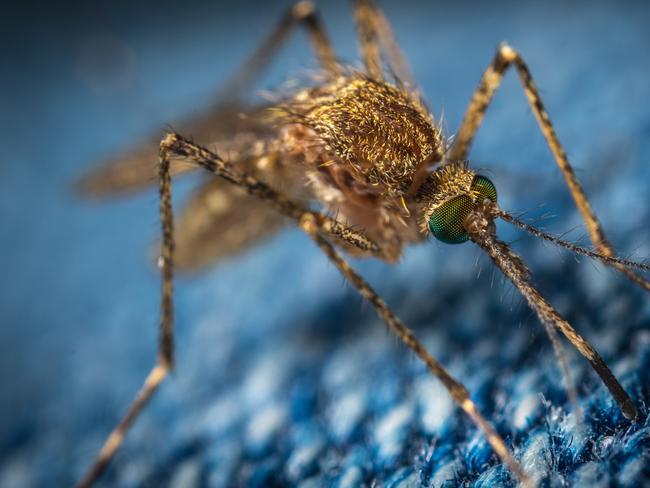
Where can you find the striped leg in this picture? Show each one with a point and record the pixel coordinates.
(175, 145)
(458, 392)
(165, 360)
(479, 225)
(376, 38)
(303, 13)
(506, 57)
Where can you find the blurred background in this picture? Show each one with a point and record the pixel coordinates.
(284, 377)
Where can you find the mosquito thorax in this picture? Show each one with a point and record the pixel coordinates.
(383, 135)
(448, 196)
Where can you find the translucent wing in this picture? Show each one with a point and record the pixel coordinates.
(136, 168)
(221, 220)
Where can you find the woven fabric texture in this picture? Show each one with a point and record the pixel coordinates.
(285, 377)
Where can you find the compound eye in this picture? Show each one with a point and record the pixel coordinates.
(446, 221)
(485, 188)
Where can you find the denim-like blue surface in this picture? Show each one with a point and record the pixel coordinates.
(284, 377)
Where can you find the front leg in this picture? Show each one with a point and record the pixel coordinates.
(302, 13)
(177, 145)
(505, 58)
(376, 39)
(456, 389)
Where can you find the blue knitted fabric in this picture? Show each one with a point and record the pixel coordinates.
(284, 376)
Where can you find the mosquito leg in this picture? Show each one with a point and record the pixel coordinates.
(566, 371)
(171, 145)
(506, 56)
(174, 144)
(304, 13)
(115, 439)
(457, 391)
(376, 35)
(165, 361)
(480, 231)
(367, 32)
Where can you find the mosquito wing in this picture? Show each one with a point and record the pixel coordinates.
(136, 168)
(219, 221)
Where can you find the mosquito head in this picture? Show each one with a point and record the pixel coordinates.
(449, 195)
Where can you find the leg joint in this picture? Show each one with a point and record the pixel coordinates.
(307, 222)
(302, 10)
(507, 53)
(169, 141)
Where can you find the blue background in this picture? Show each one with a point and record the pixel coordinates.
(284, 376)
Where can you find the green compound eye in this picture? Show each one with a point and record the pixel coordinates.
(446, 221)
(485, 188)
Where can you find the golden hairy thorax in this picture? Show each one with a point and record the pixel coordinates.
(377, 131)
(365, 146)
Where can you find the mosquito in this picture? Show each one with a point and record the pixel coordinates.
(362, 147)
